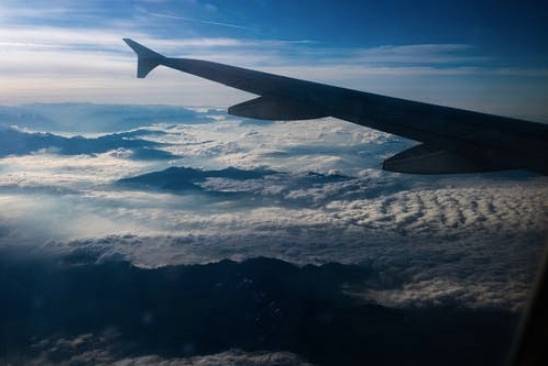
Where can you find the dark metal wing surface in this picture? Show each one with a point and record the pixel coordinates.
(453, 140)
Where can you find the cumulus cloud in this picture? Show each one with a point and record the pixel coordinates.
(447, 292)
(229, 358)
(475, 246)
(470, 256)
(324, 145)
(101, 350)
(77, 171)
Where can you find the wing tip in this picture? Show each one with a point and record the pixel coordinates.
(147, 59)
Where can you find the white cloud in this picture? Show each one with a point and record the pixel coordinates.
(100, 350)
(483, 243)
(443, 291)
(71, 172)
(229, 358)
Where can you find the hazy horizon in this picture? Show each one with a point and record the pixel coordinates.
(61, 52)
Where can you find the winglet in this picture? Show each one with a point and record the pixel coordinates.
(147, 59)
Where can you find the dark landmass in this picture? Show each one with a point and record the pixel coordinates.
(184, 178)
(181, 179)
(89, 117)
(16, 142)
(260, 304)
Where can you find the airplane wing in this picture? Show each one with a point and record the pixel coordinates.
(452, 140)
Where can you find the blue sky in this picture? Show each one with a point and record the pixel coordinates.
(489, 56)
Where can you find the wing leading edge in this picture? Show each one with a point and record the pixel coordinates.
(453, 140)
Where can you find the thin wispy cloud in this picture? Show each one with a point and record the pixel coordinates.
(192, 20)
(87, 61)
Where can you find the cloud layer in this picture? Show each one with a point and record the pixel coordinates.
(305, 192)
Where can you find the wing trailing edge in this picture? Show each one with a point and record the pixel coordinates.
(425, 159)
(271, 108)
